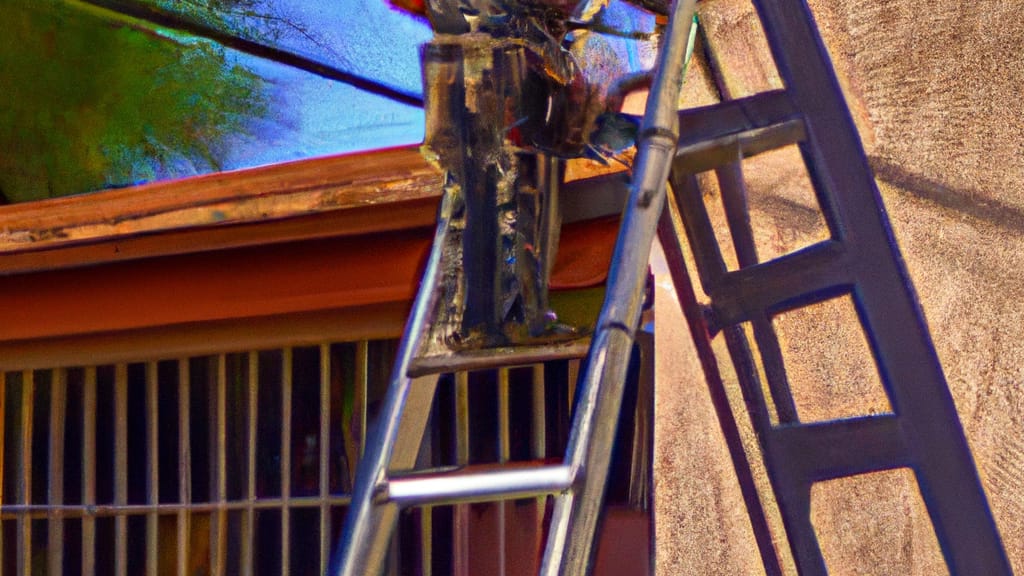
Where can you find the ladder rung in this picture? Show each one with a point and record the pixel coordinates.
(776, 284)
(506, 356)
(840, 448)
(710, 136)
(468, 485)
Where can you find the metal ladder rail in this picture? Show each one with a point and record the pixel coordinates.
(394, 441)
(579, 482)
(574, 523)
(862, 260)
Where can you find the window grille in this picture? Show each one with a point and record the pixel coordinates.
(242, 463)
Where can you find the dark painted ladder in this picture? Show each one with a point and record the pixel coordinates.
(860, 259)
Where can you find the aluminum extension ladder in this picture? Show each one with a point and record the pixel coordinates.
(861, 258)
(579, 481)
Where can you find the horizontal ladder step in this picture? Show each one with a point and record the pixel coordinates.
(801, 278)
(471, 485)
(499, 357)
(840, 448)
(711, 136)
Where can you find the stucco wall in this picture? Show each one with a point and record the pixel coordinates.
(935, 88)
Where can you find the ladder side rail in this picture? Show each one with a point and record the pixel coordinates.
(889, 311)
(792, 494)
(689, 205)
(788, 471)
(570, 547)
(737, 213)
(670, 234)
(369, 525)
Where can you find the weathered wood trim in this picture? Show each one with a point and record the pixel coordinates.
(376, 218)
(214, 262)
(244, 196)
(353, 194)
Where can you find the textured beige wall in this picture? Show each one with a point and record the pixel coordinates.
(936, 90)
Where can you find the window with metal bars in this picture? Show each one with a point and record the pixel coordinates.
(242, 463)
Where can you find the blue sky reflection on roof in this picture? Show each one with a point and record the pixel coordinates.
(121, 101)
(97, 100)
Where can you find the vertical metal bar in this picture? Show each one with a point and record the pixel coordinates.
(354, 430)
(460, 547)
(461, 418)
(504, 453)
(504, 443)
(89, 470)
(121, 468)
(570, 547)
(360, 397)
(573, 377)
(370, 525)
(152, 468)
(252, 413)
(538, 440)
(538, 420)
(286, 459)
(426, 541)
(184, 465)
(218, 476)
(24, 558)
(481, 254)
(55, 471)
(3, 429)
(325, 455)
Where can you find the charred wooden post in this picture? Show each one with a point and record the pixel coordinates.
(506, 216)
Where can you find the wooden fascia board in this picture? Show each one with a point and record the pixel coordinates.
(342, 233)
(355, 221)
(350, 194)
(221, 200)
(254, 281)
